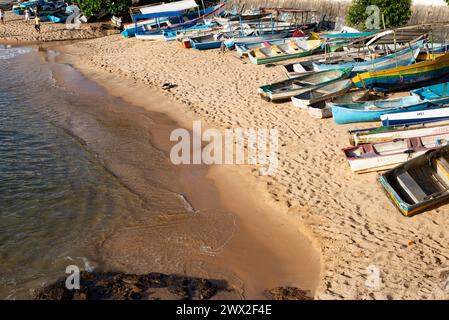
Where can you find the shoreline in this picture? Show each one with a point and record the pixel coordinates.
(241, 252)
(355, 225)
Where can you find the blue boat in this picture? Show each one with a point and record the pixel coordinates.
(171, 35)
(160, 22)
(400, 58)
(419, 99)
(210, 41)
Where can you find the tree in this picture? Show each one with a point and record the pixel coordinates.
(396, 13)
(92, 7)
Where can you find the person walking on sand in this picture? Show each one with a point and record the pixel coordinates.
(37, 24)
(2, 16)
(27, 15)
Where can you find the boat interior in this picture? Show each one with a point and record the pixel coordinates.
(425, 180)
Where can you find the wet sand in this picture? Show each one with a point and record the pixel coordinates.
(238, 233)
(353, 223)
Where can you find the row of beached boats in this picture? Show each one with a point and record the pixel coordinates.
(353, 77)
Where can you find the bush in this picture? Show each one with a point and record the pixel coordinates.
(92, 7)
(395, 13)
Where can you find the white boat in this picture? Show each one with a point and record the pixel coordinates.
(314, 100)
(382, 134)
(386, 155)
(413, 117)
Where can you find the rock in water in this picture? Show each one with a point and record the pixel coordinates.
(121, 286)
(288, 293)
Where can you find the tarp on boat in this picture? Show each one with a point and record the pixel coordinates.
(169, 7)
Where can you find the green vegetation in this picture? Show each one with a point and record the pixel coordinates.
(396, 13)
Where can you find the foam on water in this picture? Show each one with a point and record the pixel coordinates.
(8, 52)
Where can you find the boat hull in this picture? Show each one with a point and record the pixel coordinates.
(404, 77)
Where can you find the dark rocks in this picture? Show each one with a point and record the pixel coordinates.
(288, 293)
(120, 286)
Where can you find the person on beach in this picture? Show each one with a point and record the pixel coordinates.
(2, 16)
(37, 24)
(27, 16)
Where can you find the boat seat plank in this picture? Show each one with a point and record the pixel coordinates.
(410, 186)
(442, 170)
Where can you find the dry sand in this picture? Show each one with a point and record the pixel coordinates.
(16, 29)
(358, 229)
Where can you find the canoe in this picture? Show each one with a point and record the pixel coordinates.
(240, 40)
(419, 99)
(419, 184)
(314, 100)
(414, 75)
(408, 118)
(382, 134)
(403, 57)
(284, 90)
(200, 30)
(432, 51)
(350, 97)
(386, 155)
(210, 41)
(243, 48)
(290, 50)
(152, 25)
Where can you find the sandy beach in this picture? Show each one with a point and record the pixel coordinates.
(359, 232)
(16, 30)
(366, 248)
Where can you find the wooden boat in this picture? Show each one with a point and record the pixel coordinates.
(154, 25)
(410, 76)
(261, 37)
(210, 41)
(243, 48)
(403, 57)
(284, 90)
(419, 99)
(382, 134)
(291, 50)
(432, 51)
(353, 96)
(419, 184)
(408, 118)
(314, 100)
(385, 155)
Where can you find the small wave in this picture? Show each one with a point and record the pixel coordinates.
(8, 52)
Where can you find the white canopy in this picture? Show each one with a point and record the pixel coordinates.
(170, 7)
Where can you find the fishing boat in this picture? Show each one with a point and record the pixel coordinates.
(432, 51)
(382, 134)
(409, 76)
(386, 155)
(403, 57)
(290, 50)
(419, 184)
(260, 37)
(284, 90)
(408, 118)
(419, 99)
(353, 96)
(210, 41)
(195, 31)
(151, 22)
(314, 100)
(243, 48)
